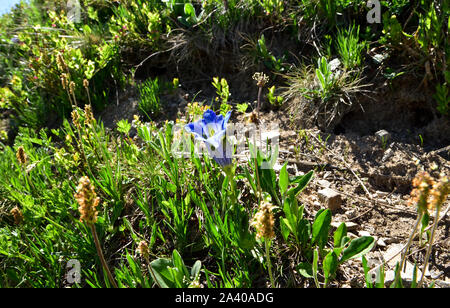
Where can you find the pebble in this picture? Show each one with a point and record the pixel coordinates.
(330, 198)
(383, 135)
(350, 225)
(324, 183)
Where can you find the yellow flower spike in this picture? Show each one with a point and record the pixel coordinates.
(264, 222)
(88, 201)
(439, 192)
(21, 155)
(143, 249)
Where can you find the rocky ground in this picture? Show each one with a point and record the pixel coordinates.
(363, 175)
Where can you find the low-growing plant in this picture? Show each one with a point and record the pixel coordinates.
(350, 48)
(173, 273)
(269, 60)
(274, 100)
(149, 98)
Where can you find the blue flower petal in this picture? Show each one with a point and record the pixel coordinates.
(225, 121)
(209, 116)
(212, 129)
(197, 128)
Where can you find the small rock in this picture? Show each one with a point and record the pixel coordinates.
(387, 154)
(330, 198)
(406, 275)
(324, 183)
(363, 233)
(334, 64)
(291, 169)
(277, 167)
(350, 225)
(351, 213)
(383, 135)
(381, 242)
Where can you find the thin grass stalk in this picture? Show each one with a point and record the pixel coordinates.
(269, 264)
(101, 256)
(408, 245)
(430, 246)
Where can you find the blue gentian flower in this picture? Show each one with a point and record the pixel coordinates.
(211, 129)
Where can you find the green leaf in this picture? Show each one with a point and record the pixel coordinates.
(315, 267)
(304, 232)
(195, 270)
(162, 274)
(339, 234)
(305, 269)
(302, 182)
(284, 179)
(367, 276)
(330, 264)
(178, 263)
(321, 227)
(357, 248)
(285, 228)
(189, 10)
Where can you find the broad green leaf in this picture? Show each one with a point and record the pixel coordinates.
(330, 264)
(284, 179)
(195, 270)
(285, 228)
(367, 276)
(305, 269)
(357, 248)
(304, 232)
(189, 10)
(302, 182)
(339, 234)
(320, 228)
(178, 263)
(162, 273)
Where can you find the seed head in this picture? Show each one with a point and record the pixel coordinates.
(439, 192)
(88, 200)
(88, 114)
(76, 118)
(143, 249)
(60, 62)
(422, 184)
(261, 79)
(17, 214)
(86, 83)
(264, 222)
(21, 155)
(64, 80)
(72, 87)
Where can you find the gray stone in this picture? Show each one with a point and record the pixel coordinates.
(383, 135)
(350, 225)
(330, 198)
(324, 183)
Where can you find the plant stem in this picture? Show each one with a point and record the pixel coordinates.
(230, 174)
(269, 264)
(100, 255)
(430, 245)
(151, 272)
(404, 253)
(259, 100)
